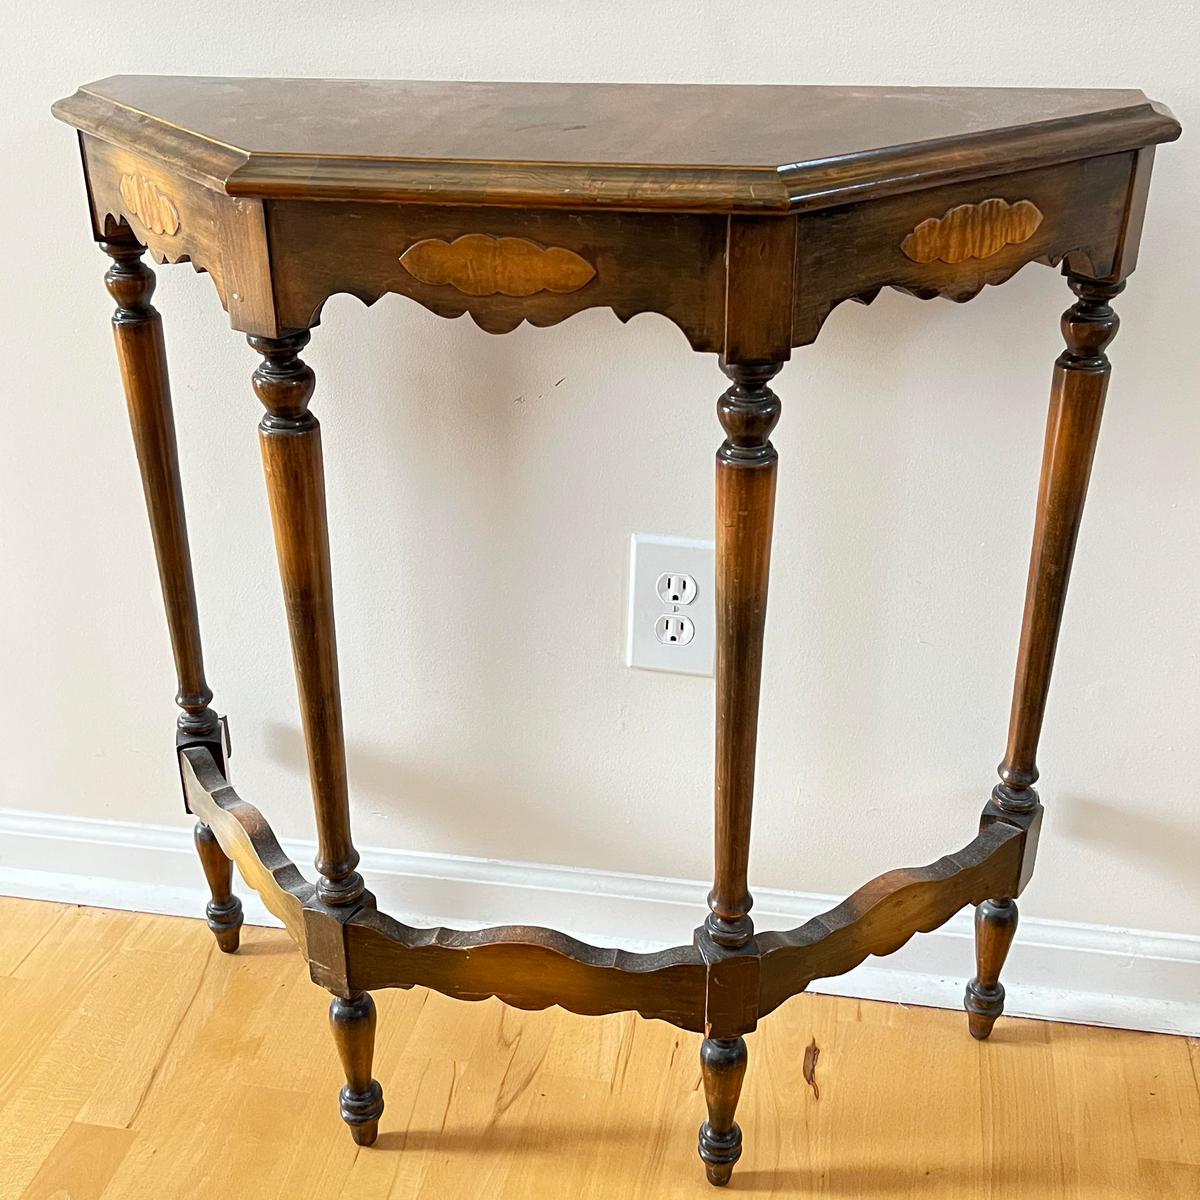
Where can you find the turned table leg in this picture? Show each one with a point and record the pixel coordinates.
(137, 331)
(723, 1067)
(290, 438)
(361, 1100)
(745, 483)
(224, 910)
(1076, 405)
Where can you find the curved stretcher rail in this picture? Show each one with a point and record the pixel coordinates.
(532, 967)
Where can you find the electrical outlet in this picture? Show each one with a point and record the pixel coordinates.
(673, 630)
(672, 614)
(676, 589)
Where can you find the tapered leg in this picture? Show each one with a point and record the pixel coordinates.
(290, 438)
(224, 910)
(723, 1067)
(1076, 405)
(746, 465)
(745, 483)
(137, 331)
(995, 925)
(353, 1024)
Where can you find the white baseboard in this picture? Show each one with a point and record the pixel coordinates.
(1057, 970)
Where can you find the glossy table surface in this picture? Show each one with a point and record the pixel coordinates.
(712, 146)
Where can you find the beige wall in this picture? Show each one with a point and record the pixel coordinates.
(479, 505)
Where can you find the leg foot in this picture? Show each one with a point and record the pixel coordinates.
(995, 925)
(723, 1065)
(361, 1100)
(224, 910)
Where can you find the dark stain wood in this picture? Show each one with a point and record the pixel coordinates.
(247, 839)
(141, 354)
(746, 468)
(759, 290)
(290, 437)
(321, 249)
(225, 238)
(481, 160)
(723, 1068)
(224, 910)
(882, 915)
(361, 1099)
(142, 357)
(684, 147)
(852, 251)
(812, 1053)
(1072, 428)
(528, 967)
(995, 927)
(703, 987)
(743, 215)
(1077, 394)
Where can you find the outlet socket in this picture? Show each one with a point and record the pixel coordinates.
(675, 589)
(671, 622)
(674, 630)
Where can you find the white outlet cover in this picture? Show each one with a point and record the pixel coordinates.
(650, 557)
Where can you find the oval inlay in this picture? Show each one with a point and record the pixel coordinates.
(478, 264)
(150, 204)
(972, 231)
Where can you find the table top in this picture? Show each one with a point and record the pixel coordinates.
(683, 147)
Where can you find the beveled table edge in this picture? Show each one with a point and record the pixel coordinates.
(781, 190)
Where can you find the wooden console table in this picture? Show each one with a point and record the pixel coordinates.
(743, 215)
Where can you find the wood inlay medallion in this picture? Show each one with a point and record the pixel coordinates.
(973, 231)
(478, 264)
(150, 204)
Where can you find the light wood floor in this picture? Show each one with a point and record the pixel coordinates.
(137, 1062)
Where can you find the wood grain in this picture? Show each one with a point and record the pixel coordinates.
(973, 231)
(656, 234)
(854, 251)
(742, 214)
(1077, 392)
(152, 207)
(882, 915)
(746, 467)
(81, 1164)
(142, 357)
(246, 838)
(478, 264)
(323, 249)
(527, 967)
(645, 147)
(290, 440)
(485, 1100)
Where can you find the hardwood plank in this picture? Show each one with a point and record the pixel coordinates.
(234, 1092)
(1089, 1086)
(1171, 1181)
(81, 1164)
(134, 1054)
(24, 924)
(47, 1067)
(1164, 1105)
